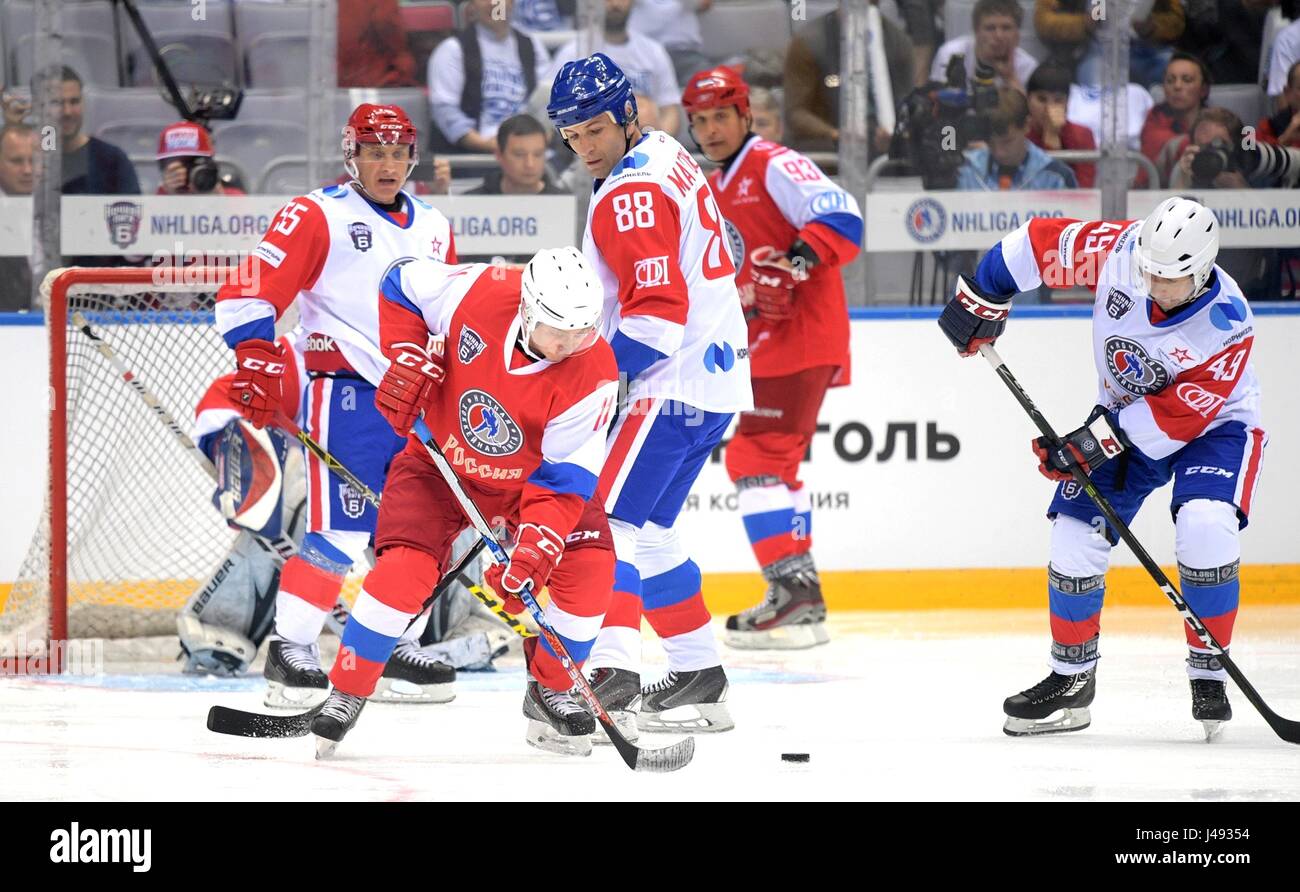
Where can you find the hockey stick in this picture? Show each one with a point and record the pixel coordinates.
(237, 722)
(281, 546)
(337, 467)
(668, 758)
(1287, 729)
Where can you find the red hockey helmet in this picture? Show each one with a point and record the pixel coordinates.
(716, 88)
(184, 139)
(386, 125)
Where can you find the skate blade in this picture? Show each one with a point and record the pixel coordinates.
(1213, 728)
(624, 721)
(546, 738)
(326, 747)
(696, 718)
(298, 699)
(395, 690)
(794, 637)
(1057, 723)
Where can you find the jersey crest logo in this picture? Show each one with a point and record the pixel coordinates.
(361, 236)
(123, 219)
(1132, 369)
(651, 272)
(1118, 304)
(487, 426)
(470, 346)
(351, 501)
(736, 242)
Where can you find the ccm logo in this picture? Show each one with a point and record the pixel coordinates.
(984, 311)
(1206, 469)
(261, 365)
(1199, 400)
(651, 272)
(582, 536)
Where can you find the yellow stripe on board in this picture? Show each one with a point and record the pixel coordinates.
(893, 590)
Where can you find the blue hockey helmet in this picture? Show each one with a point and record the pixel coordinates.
(586, 88)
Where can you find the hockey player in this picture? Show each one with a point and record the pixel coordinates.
(330, 250)
(1177, 399)
(793, 228)
(520, 406)
(673, 318)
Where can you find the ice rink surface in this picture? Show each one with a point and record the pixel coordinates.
(896, 707)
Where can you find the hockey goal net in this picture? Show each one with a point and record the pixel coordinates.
(127, 530)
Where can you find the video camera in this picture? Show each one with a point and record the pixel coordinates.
(937, 121)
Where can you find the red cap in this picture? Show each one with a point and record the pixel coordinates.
(716, 88)
(184, 140)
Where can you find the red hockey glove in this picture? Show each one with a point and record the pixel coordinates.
(409, 385)
(537, 551)
(973, 318)
(773, 277)
(258, 382)
(1086, 448)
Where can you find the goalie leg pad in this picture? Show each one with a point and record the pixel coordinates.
(226, 619)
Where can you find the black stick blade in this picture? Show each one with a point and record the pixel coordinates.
(238, 723)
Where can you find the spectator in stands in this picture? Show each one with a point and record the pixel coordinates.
(1286, 52)
(1070, 28)
(812, 69)
(995, 42)
(919, 22)
(17, 177)
(1284, 127)
(1187, 85)
(675, 25)
(480, 76)
(90, 165)
(521, 158)
(766, 112)
(187, 164)
(544, 15)
(1049, 94)
(1227, 34)
(643, 59)
(1010, 161)
(372, 50)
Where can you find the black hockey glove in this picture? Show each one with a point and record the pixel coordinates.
(1086, 448)
(973, 318)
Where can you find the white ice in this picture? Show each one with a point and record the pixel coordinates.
(897, 706)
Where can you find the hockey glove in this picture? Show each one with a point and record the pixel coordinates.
(773, 278)
(258, 382)
(409, 385)
(973, 318)
(1086, 448)
(537, 551)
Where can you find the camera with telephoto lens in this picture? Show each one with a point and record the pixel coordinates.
(937, 121)
(200, 174)
(1216, 158)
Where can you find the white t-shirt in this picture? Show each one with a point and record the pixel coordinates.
(504, 87)
(1025, 63)
(645, 62)
(1084, 107)
(671, 22)
(1286, 52)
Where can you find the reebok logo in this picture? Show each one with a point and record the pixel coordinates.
(89, 846)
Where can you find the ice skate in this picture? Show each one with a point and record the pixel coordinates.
(1210, 705)
(335, 719)
(294, 678)
(687, 703)
(413, 676)
(619, 691)
(791, 616)
(1056, 704)
(557, 721)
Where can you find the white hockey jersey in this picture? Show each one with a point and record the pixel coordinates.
(333, 248)
(672, 313)
(1170, 378)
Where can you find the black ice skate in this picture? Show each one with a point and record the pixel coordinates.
(557, 721)
(791, 616)
(1056, 704)
(619, 691)
(335, 720)
(413, 676)
(294, 678)
(1210, 705)
(687, 702)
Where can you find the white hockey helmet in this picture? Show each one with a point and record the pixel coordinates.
(1179, 238)
(560, 289)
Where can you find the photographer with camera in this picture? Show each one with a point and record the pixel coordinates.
(1010, 160)
(185, 159)
(1209, 157)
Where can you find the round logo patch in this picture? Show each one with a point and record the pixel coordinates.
(1132, 369)
(486, 425)
(736, 243)
(926, 220)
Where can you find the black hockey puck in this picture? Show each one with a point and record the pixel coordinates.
(795, 757)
